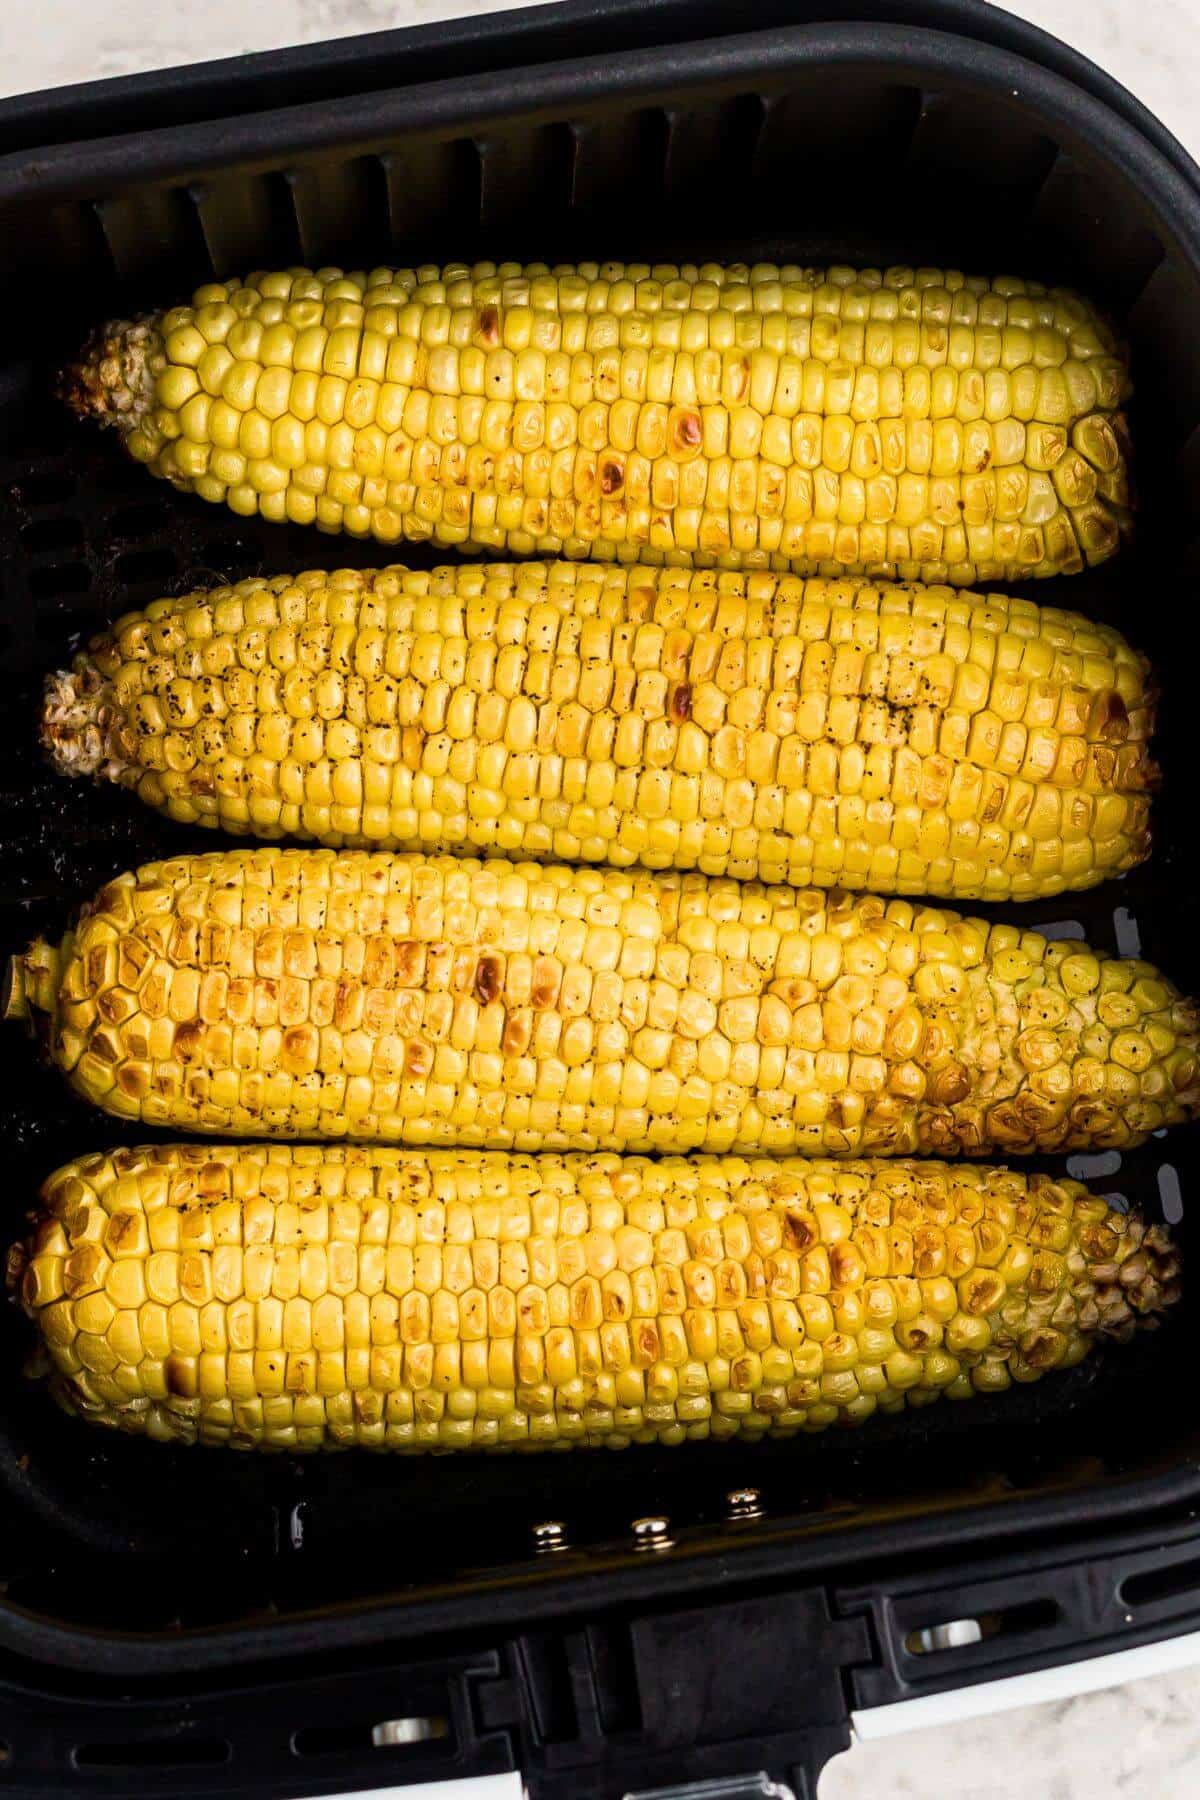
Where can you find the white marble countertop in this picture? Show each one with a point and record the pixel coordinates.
(1139, 1740)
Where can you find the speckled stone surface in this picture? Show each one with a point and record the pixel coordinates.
(1138, 1742)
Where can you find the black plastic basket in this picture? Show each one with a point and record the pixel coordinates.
(186, 1622)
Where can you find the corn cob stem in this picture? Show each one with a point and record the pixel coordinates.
(444, 1001)
(903, 739)
(910, 422)
(307, 1299)
(29, 981)
(113, 378)
(80, 725)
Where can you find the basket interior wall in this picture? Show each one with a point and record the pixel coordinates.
(857, 164)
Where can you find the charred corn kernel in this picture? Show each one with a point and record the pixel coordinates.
(912, 740)
(265, 1374)
(769, 417)
(318, 994)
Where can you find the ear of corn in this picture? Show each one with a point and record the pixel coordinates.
(443, 1001)
(310, 1298)
(911, 422)
(900, 739)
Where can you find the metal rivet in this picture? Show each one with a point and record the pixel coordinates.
(406, 1731)
(550, 1535)
(652, 1534)
(744, 1503)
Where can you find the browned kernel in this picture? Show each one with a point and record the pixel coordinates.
(681, 702)
(488, 979)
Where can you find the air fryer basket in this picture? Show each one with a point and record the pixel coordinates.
(866, 142)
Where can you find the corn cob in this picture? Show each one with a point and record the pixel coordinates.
(443, 1001)
(909, 422)
(902, 739)
(310, 1298)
